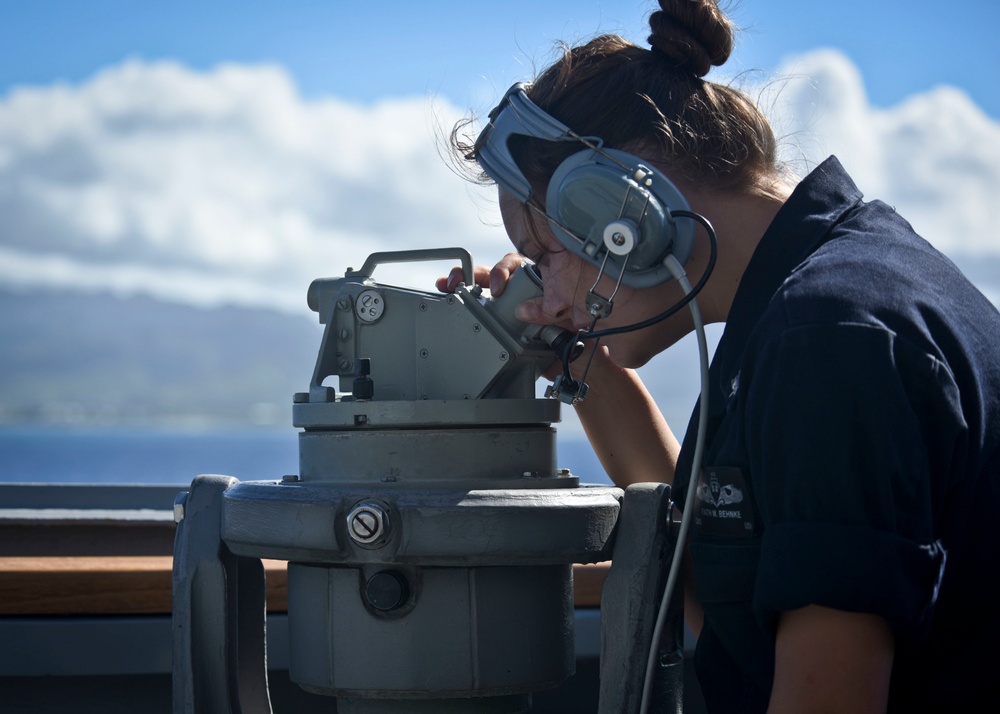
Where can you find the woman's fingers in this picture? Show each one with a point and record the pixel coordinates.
(494, 278)
(448, 284)
(501, 272)
(457, 275)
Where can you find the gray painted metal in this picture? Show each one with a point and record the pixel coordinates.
(482, 458)
(309, 523)
(629, 604)
(472, 633)
(219, 659)
(401, 414)
(467, 632)
(427, 346)
(429, 534)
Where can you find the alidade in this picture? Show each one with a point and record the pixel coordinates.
(429, 535)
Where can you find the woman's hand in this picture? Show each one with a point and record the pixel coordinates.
(494, 278)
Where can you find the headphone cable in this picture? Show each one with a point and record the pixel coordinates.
(566, 354)
(688, 297)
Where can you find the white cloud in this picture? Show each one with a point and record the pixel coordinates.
(227, 185)
(935, 156)
(221, 186)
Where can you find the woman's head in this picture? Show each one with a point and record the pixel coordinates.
(709, 139)
(654, 103)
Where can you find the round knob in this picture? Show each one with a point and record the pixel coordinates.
(386, 590)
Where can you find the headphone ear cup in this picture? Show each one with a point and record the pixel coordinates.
(596, 207)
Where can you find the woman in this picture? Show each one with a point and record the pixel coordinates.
(854, 401)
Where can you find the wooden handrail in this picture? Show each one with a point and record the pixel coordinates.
(137, 585)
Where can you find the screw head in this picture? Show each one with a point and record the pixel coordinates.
(367, 523)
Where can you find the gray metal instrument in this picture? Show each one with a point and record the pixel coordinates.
(429, 534)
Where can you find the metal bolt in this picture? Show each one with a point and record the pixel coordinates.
(424, 353)
(503, 356)
(343, 304)
(367, 523)
(476, 327)
(618, 239)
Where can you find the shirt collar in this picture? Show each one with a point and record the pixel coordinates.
(800, 227)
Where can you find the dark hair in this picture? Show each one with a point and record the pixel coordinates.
(655, 102)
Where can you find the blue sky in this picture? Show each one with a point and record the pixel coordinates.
(364, 51)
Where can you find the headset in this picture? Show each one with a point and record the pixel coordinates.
(604, 205)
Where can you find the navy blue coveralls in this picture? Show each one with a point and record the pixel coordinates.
(853, 455)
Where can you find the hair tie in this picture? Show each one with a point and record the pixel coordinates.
(663, 56)
(682, 65)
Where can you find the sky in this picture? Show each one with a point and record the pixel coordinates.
(214, 152)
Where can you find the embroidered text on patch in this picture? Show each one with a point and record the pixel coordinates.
(724, 508)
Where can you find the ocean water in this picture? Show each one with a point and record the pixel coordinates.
(143, 455)
(34, 454)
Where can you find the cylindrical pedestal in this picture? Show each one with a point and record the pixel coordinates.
(430, 546)
(462, 632)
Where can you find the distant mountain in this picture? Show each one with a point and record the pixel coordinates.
(80, 357)
(67, 357)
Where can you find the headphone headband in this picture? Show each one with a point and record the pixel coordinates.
(515, 114)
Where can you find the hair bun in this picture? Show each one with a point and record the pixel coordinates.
(693, 35)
